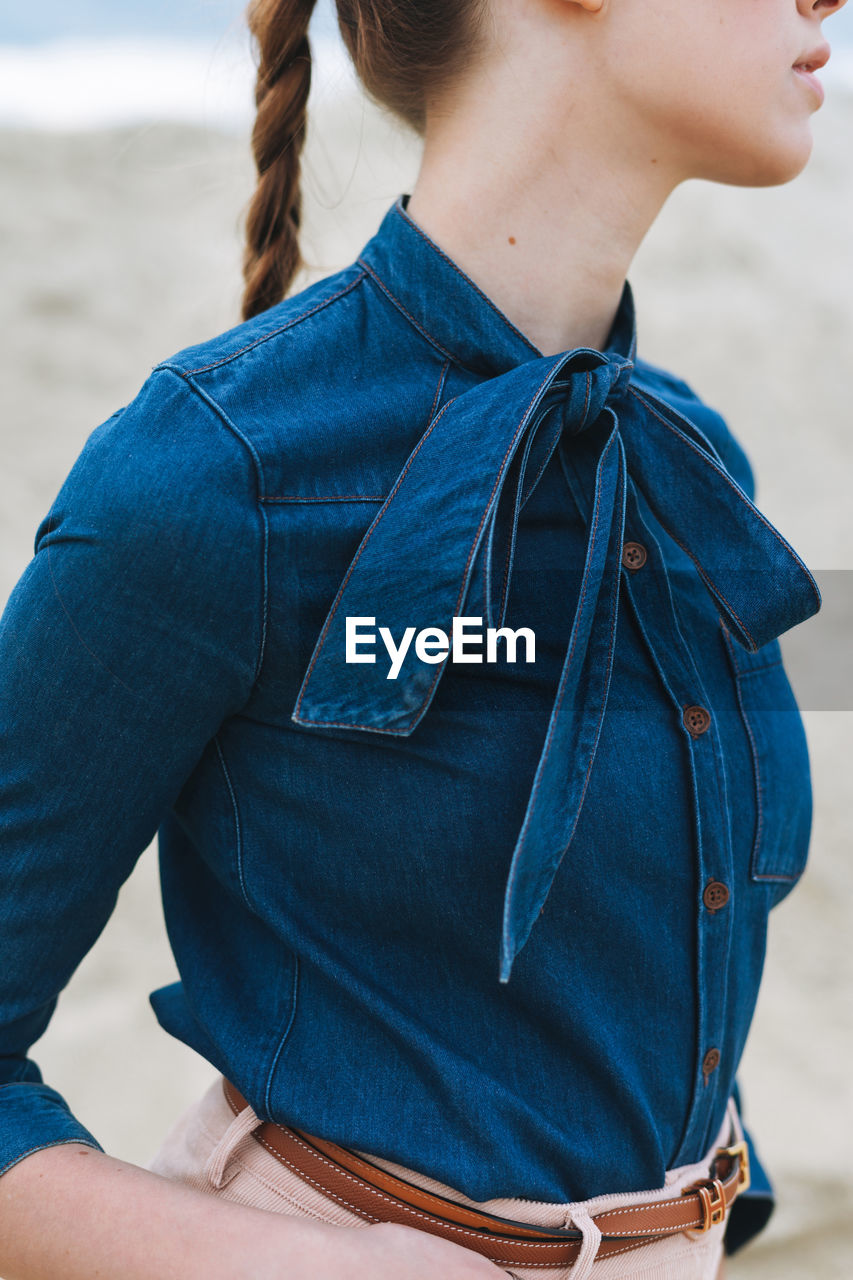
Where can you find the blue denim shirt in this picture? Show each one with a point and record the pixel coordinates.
(500, 921)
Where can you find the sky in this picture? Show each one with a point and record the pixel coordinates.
(52, 19)
(55, 19)
(92, 64)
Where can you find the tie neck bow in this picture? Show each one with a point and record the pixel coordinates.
(588, 381)
(443, 543)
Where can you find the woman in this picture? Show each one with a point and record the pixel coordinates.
(470, 920)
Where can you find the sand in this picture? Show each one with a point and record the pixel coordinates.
(120, 247)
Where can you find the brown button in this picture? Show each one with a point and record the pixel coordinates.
(633, 555)
(696, 720)
(716, 895)
(710, 1062)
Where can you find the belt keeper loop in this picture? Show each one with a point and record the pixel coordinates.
(219, 1168)
(591, 1233)
(713, 1201)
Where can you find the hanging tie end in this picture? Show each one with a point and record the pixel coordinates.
(505, 965)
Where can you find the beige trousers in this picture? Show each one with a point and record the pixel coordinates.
(212, 1150)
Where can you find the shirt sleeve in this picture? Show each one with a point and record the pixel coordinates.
(133, 632)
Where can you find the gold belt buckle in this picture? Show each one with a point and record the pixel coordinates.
(711, 1191)
(739, 1149)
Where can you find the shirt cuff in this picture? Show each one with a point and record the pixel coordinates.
(32, 1117)
(752, 1209)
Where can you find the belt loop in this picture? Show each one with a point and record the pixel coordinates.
(582, 1266)
(217, 1163)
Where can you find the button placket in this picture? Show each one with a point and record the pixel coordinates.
(651, 600)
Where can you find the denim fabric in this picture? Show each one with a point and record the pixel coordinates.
(455, 916)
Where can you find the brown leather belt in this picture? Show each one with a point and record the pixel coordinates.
(379, 1196)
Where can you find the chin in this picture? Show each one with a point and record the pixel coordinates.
(769, 167)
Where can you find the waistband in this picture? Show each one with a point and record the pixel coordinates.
(693, 1200)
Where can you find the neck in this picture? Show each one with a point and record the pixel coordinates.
(547, 222)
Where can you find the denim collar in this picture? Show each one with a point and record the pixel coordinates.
(445, 304)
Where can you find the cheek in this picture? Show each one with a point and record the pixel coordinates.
(708, 86)
(724, 117)
(753, 129)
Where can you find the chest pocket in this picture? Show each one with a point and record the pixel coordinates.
(780, 758)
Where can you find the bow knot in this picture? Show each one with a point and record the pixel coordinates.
(622, 372)
(443, 544)
(584, 383)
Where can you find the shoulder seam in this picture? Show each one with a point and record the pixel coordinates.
(186, 377)
(257, 466)
(274, 333)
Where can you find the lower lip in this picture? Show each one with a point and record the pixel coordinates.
(812, 81)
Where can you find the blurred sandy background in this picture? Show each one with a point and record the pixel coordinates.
(117, 247)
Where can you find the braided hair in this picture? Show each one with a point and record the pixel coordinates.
(403, 51)
(272, 257)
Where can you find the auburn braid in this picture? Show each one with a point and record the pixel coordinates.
(405, 53)
(272, 256)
